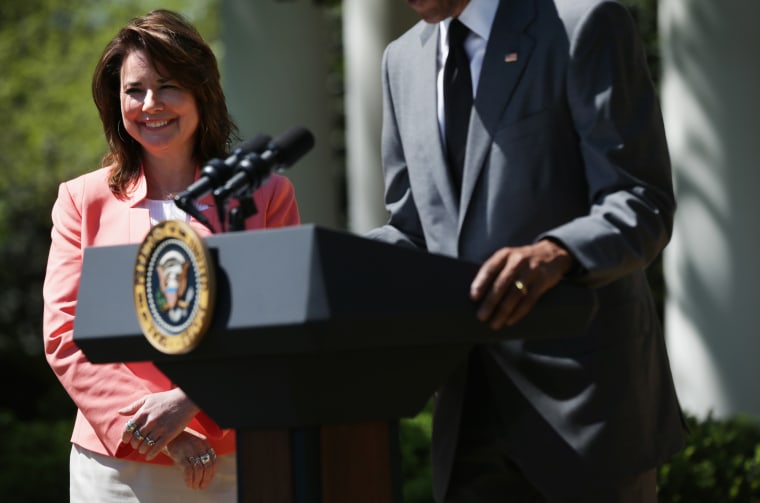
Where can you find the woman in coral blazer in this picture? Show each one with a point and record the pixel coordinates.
(158, 92)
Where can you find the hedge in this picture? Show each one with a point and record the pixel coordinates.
(721, 462)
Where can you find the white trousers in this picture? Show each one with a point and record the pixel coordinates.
(103, 479)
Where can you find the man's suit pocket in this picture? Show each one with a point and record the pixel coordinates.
(537, 123)
(536, 158)
(524, 157)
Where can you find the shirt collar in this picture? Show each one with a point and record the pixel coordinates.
(478, 16)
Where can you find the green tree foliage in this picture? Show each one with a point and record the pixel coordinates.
(34, 460)
(50, 132)
(720, 463)
(415, 435)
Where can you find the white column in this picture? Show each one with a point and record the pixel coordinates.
(275, 70)
(368, 26)
(711, 105)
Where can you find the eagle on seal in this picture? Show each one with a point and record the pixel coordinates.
(172, 273)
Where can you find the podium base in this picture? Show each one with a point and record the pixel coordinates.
(339, 463)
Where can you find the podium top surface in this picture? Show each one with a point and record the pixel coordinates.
(307, 288)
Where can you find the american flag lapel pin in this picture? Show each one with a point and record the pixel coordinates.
(511, 57)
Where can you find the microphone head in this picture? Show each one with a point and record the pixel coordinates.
(257, 144)
(292, 145)
(214, 169)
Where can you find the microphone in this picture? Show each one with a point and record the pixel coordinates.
(217, 171)
(254, 169)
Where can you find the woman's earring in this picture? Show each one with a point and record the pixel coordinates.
(118, 131)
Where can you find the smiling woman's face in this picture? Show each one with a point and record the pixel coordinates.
(157, 112)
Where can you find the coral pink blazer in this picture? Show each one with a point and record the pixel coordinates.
(86, 213)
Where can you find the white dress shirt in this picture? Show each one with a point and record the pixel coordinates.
(478, 16)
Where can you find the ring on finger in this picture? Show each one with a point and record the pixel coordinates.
(521, 287)
(130, 426)
(194, 461)
(149, 441)
(138, 435)
(205, 458)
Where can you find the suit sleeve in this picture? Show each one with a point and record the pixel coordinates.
(403, 226)
(621, 136)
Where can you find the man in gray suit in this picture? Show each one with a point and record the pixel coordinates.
(556, 166)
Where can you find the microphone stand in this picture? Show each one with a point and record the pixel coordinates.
(186, 204)
(253, 170)
(246, 207)
(239, 214)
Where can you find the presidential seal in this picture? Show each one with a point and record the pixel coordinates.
(174, 287)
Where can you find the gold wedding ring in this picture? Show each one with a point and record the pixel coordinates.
(521, 287)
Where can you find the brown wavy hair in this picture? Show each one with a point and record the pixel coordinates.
(175, 48)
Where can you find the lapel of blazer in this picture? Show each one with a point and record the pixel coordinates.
(207, 206)
(422, 70)
(498, 77)
(139, 218)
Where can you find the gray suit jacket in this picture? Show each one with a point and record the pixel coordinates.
(565, 142)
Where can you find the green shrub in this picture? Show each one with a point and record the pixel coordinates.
(34, 459)
(720, 464)
(721, 461)
(414, 436)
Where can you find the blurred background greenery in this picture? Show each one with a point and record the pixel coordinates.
(51, 132)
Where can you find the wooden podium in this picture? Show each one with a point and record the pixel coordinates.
(320, 341)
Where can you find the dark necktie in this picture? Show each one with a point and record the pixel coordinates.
(457, 99)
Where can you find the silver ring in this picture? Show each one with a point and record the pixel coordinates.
(138, 435)
(212, 453)
(130, 426)
(195, 461)
(150, 441)
(205, 458)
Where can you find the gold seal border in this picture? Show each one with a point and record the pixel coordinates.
(188, 339)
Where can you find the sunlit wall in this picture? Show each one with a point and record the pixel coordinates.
(276, 75)
(711, 104)
(368, 26)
